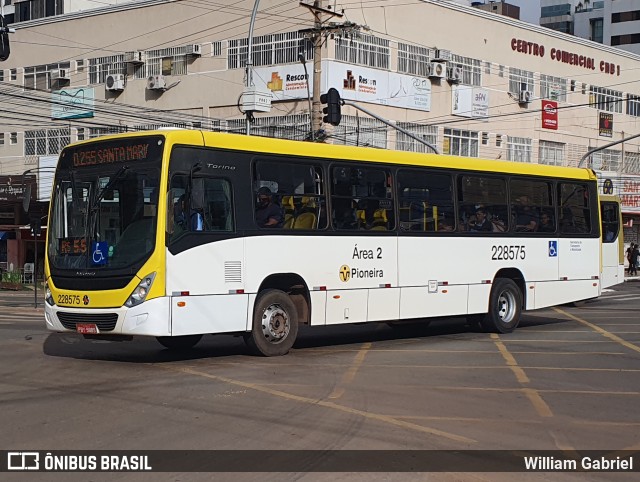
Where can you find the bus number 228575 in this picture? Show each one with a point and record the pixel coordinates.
(507, 252)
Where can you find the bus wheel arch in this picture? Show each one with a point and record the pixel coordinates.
(506, 301)
(296, 288)
(274, 326)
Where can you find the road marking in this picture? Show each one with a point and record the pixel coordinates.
(350, 374)
(323, 403)
(602, 331)
(534, 397)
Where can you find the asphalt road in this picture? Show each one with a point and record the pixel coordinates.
(567, 379)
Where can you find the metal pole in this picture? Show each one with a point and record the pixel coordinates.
(596, 149)
(35, 266)
(316, 115)
(306, 76)
(384, 121)
(249, 63)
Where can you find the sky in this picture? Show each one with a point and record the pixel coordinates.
(529, 10)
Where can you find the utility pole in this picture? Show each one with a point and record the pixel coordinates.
(316, 35)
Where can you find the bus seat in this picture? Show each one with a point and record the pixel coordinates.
(306, 220)
(288, 221)
(380, 221)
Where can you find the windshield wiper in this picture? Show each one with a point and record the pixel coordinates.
(121, 172)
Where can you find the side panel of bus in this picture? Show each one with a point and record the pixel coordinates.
(612, 241)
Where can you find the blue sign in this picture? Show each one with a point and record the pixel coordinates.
(72, 103)
(553, 249)
(99, 252)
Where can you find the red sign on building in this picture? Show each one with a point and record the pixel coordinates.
(549, 114)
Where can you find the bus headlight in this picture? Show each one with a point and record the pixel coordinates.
(141, 291)
(48, 297)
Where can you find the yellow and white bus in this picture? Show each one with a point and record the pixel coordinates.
(358, 235)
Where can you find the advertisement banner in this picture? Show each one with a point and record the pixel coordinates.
(362, 84)
(72, 103)
(285, 82)
(626, 186)
(606, 124)
(549, 114)
(471, 102)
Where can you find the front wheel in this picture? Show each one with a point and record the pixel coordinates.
(275, 324)
(505, 306)
(179, 342)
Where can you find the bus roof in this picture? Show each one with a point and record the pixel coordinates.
(270, 145)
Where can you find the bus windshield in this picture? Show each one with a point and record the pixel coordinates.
(105, 204)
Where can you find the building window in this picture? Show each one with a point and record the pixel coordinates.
(360, 131)
(628, 39)
(294, 127)
(460, 143)
(596, 26)
(271, 49)
(1, 75)
(605, 99)
(518, 149)
(633, 105)
(471, 69)
(216, 49)
(1, 138)
(361, 49)
(45, 142)
(100, 67)
(498, 140)
(553, 88)
(414, 60)
(485, 138)
(520, 80)
(630, 16)
(606, 160)
(39, 77)
(13, 74)
(551, 153)
(34, 9)
(406, 143)
(13, 138)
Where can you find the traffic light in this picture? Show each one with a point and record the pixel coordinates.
(332, 110)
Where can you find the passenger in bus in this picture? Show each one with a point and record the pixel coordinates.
(546, 224)
(526, 219)
(182, 222)
(268, 213)
(480, 223)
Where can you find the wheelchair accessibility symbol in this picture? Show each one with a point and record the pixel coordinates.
(98, 252)
(553, 249)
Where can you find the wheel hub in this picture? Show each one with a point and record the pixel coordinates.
(506, 306)
(275, 324)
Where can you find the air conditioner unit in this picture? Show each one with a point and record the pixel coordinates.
(115, 82)
(442, 55)
(156, 82)
(438, 70)
(136, 57)
(194, 50)
(60, 74)
(454, 74)
(525, 97)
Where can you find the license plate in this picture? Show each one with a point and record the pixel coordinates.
(87, 328)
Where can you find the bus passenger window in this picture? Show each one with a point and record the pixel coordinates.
(361, 199)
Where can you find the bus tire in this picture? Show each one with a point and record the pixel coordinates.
(275, 324)
(179, 342)
(505, 306)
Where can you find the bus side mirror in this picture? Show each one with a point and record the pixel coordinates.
(197, 199)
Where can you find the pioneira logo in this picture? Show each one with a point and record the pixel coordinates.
(23, 461)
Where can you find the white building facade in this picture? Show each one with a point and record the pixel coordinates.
(469, 82)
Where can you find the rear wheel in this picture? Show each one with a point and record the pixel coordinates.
(179, 342)
(275, 324)
(505, 306)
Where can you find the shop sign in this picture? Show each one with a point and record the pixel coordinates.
(12, 188)
(549, 114)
